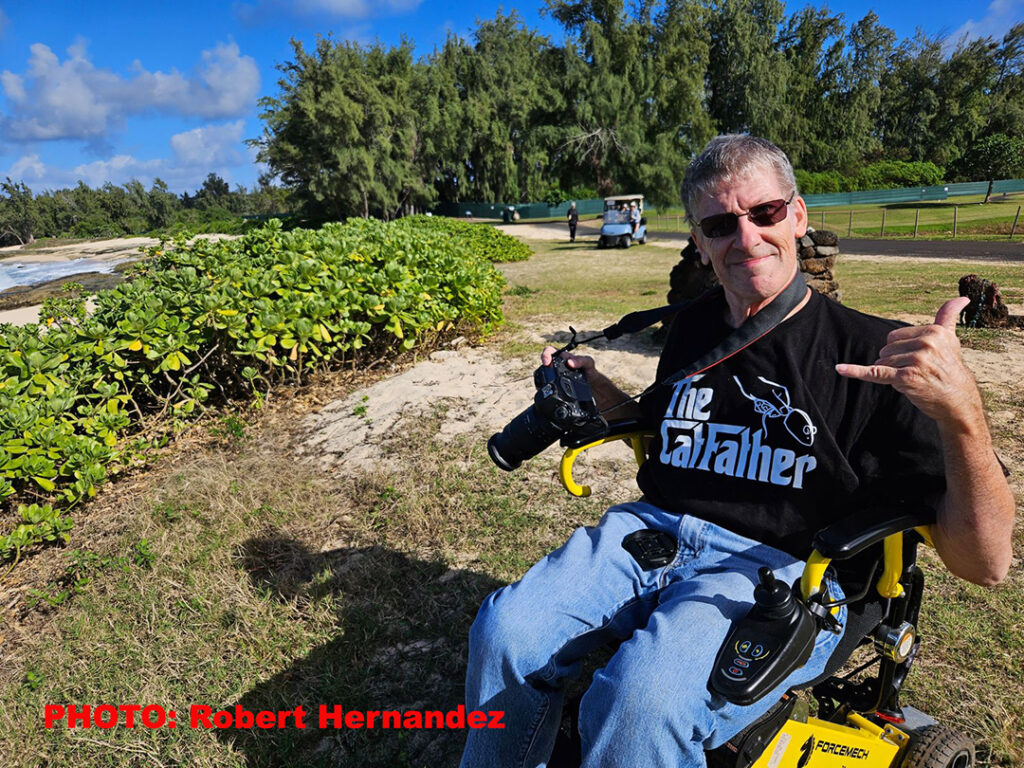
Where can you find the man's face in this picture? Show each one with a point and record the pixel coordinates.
(754, 264)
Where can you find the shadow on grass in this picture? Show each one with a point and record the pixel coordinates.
(926, 205)
(579, 245)
(401, 645)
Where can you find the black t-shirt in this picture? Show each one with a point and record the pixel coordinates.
(772, 443)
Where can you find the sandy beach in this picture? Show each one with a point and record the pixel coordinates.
(116, 249)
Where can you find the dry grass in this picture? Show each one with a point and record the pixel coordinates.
(273, 584)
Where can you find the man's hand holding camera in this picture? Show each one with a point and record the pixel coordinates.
(611, 401)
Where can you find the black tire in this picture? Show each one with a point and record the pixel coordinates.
(936, 746)
(600, 242)
(643, 240)
(626, 241)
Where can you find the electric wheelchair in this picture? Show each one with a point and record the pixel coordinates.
(859, 720)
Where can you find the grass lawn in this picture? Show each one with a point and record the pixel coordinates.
(236, 572)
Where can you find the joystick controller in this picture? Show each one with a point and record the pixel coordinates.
(762, 648)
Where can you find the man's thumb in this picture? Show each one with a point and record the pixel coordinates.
(949, 312)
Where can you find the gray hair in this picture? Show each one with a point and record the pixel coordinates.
(730, 158)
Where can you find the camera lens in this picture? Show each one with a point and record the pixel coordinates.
(524, 437)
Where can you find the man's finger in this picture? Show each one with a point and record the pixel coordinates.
(949, 312)
(878, 374)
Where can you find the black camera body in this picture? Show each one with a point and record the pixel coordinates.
(563, 408)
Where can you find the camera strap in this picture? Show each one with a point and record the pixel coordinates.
(753, 328)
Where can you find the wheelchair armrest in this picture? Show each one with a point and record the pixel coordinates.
(626, 429)
(852, 535)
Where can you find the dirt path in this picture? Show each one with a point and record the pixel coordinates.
(480, 390)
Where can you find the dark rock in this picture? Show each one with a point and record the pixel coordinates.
(817, 266)
(987, 309)
(824, 237)
(828, 287)
(689, 278)
(29, 295)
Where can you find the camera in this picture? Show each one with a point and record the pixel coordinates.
(563, 407)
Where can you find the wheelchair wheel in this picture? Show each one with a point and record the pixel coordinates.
(939, 747)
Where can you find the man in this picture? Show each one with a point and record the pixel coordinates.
(634, 217)
(573, 217)
(827, 411)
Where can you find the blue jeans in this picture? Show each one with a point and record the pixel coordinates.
(650, 705)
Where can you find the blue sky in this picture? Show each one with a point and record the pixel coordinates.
(110, 90)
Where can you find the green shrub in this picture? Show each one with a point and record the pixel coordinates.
(886, 174)
(484, 240)
(897, 174)
(819, 182)
(221, 319)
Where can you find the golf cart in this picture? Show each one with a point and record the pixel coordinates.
(616, 228)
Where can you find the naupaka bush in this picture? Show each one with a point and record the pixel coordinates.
(206, 320)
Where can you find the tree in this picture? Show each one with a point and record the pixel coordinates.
(608, 74)
(995, 157)
(214, 188)
(1007, 108)
(853, 136)
(964, 88)
(813, 47)
(493, 112)
(519, 93)
(747, 73)
(909, 99)
(18, 217)
(163, 204)
(676, 124)
(343, 133)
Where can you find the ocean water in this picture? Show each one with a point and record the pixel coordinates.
(14, 272)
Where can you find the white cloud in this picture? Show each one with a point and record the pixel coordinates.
(118, 170)
(194, 154)
(999, 16)
(27, 168)
(209, 146)
(356, 8)
(265, 11)
(13, 86)
(75, 100)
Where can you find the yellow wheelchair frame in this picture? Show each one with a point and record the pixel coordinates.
(848, 734)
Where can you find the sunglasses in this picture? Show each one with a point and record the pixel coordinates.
(763, 215)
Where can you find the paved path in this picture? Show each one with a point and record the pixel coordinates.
(936, 249)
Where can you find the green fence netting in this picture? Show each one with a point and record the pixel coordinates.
(912, 194)
(503, 211)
